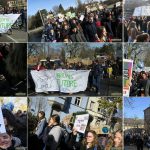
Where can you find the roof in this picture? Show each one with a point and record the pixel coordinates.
(147, 108)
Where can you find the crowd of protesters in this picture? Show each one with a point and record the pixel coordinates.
(98, 71)
(13, 69)
(54, 135)
(140, 84)
(16, 129)
(97, 26)
(140, 140)
(137, 29)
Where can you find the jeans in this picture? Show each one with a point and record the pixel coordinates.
(96, 82)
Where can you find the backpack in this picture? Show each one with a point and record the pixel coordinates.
(64, 140)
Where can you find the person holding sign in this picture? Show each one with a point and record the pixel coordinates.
(90, 142)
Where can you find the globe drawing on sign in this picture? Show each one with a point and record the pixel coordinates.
(105, 129)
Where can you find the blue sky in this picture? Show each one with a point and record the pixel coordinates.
(34, 6)
(137, 108)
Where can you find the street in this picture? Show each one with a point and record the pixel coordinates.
(109, 87)
(17, 36)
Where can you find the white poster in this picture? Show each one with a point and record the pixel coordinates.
(142, 11)
(81, 122)
(2, 125)
(6, 21)
(44, 80)
(72, 81)
(66, 81)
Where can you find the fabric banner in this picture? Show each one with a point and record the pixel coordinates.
(81, 122)
(128, 66)
(6, 21)
(2, 125)
(142, 11)
(66, 81)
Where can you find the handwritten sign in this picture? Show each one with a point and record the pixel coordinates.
(81, 122)
(66, 81)
(6, 21)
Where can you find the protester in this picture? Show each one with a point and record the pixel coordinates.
(41, 124)
(75, 29)
(40, 66)
(137, 29)
(55, 134)
(140, 84)
(14, 126)
(33, 141)
(96, 78)
(118, 141)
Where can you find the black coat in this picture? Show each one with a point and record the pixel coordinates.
(90, 32)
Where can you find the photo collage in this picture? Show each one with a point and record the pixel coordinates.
(74, 75)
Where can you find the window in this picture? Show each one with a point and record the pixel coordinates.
(92, 105)
(99, 108)
(78, 101)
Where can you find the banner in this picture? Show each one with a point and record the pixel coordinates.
(81, 122)
(6, 21)
(2, 125)
(66, 81)
(142, 11)
(128, 66)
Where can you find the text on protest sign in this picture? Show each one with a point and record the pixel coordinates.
(66, 81)
(6, 21)
(81, 122)
(2, 125)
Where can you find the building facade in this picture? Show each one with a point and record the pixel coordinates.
(20, 4)
(147, 119)
(63, 106)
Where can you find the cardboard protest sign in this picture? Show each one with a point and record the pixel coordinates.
(128, 66)
(81, 122)
(66, 81)
(6, 21)
(2, 125)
